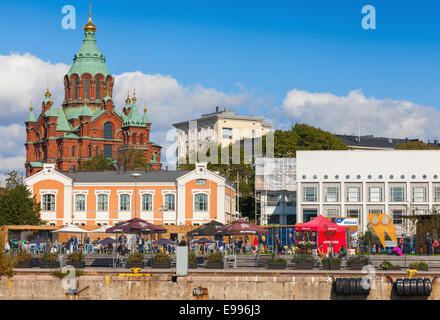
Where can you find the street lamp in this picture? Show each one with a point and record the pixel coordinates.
(135, 175)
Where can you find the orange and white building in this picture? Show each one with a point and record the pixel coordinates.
(161, 197)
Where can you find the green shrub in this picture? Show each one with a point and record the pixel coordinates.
(304, 258)
(215, 257)
(23, 256)
(75, 256)
(135, 257)
(419, 265)
(192, 258)
(279, 260)
(59, 274)
(358, 260)
(161, 257)
(49, 256)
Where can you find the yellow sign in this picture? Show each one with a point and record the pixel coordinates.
(382, 223)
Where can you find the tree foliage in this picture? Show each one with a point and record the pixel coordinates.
(133, 159)
(416, 145)
(97, 163)
(17, 206)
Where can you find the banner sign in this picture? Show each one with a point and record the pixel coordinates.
(346, 222)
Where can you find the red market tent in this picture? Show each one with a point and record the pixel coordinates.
(328, 232)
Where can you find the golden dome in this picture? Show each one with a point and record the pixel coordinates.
(128, 98)
(47, 94)
(134, 95)
(89, 26)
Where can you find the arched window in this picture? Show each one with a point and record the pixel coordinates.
(90, 151)
(102, 202)
(80, 202)
(147, 202)
(96, 151)
(98, 88)
(73, 152)
(141, 139)
(108, 130)
(48, 202)
(124, 202)
(86, 88)
(76, 88)
(133, 138)
(201, 202)
(169, 204)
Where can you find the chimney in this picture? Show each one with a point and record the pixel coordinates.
(216, 109)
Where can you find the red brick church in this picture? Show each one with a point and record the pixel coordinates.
(87, 124)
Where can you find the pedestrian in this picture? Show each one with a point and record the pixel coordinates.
(428, 242)
(435, 246)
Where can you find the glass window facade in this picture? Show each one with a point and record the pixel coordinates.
(353, 194)
(331, 194)
(397, 194)
(419, 194)
(310, 194)
(375, 194)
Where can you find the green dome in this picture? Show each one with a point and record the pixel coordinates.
(88, 59)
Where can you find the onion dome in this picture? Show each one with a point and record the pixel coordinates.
(89, 26)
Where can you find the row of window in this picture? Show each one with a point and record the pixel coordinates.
(200, 202)
(396, 214)
(374, 194)
(86, 89)
(304, 177)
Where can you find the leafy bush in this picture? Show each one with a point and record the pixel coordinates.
(23, 256)
(358, 260)
(215, 257)
(306, 245)
(7, 262)
(192, 258)
(135, 257)
(279, 260)
(386, 265)
(161, 257)
(419, 265)
(304, 258)
(75, 256)
(59, 274)
(326, 261)
(49, 256)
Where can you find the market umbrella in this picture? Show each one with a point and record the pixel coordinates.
(208, 229)
(239, 227)
(136, 225)
(202, 241)
(70, 229)
(107, 241)
(163, 242)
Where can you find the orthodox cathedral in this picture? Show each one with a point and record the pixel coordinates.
(87, 124)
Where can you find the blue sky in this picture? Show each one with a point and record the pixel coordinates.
(306, 61)
(267, 46)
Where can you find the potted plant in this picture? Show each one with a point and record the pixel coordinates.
(279, 263)
(214, 261)
(357, 262)
(419, 265)
(335, 263)
(161, 261)
(76, 259)
(306, 246)
(49, 260)
(386, 265)
(192, 260)
(135, 260)
(24, 259)
(304, 261)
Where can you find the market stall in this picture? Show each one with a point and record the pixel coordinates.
(322, 233)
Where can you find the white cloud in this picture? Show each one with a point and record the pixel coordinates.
(25, 78)
(380, 117)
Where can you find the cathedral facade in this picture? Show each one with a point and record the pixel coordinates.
(87, 123)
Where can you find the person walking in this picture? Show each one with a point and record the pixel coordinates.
(428, 242)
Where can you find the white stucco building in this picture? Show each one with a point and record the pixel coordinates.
(356, 183)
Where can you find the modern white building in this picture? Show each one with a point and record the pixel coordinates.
(356, 183)
(222, 127)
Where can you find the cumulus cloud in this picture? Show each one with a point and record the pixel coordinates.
(25, 77)
(380, 117)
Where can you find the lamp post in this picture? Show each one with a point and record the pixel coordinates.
(135, 175)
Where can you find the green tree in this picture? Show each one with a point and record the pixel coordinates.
(416, 145)
(17, 206)
(133, 159)
(97, 163)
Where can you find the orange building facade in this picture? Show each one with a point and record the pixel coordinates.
(87, 124)
(106, 198)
